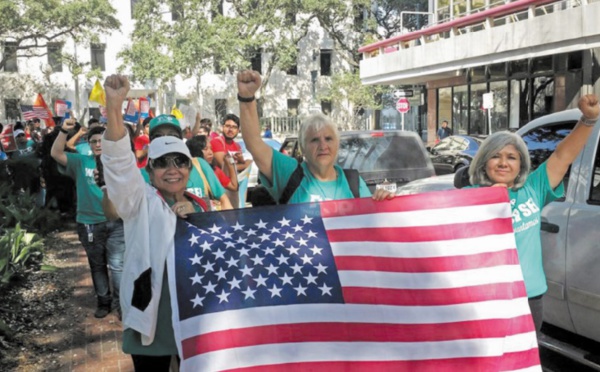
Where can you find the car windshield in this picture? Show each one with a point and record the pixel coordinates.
(373, 153)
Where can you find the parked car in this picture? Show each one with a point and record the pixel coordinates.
(395, 156)
(453, 153)
(253, 177)
(569, 226)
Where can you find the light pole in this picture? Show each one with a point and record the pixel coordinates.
(314, 107)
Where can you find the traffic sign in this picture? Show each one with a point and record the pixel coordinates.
(403, 93)
(403, 105)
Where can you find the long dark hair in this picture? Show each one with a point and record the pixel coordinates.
(196, 144)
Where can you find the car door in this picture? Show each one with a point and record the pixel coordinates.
(541, 142)
(583, 244)
(440, 156)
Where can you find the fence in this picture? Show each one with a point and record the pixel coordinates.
(291, 124)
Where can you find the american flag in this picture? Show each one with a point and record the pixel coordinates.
(425, 282)
(31, 112)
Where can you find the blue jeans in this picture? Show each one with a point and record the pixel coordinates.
(104, 245)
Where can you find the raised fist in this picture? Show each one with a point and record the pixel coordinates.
(248, 83)
(116, 88)
(69, 124)
(589, 107)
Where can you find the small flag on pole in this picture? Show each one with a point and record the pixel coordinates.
(42, 111)
(97, 94)
(62, 107)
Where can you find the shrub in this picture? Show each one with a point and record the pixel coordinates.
(18, 250)
(21, 208)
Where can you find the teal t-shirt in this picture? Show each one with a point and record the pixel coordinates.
(164, 337)
(24, 150)
(526, 205)
(310, 189)
(89, 196)
(83, 148)
(195, 184)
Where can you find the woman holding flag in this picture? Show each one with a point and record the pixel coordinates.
(150, 213)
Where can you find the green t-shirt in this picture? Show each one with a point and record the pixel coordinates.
(526, 205)
(89, 196)
(195, 184)
(310, 189)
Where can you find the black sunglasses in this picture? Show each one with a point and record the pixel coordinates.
(178, 161)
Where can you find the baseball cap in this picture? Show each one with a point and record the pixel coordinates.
(165, 145)
(164, 119)
(18, 132)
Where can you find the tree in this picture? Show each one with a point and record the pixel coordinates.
(30, 25)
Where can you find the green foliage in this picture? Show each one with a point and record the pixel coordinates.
(32, 24)
(348, 86)
(20, 208)
(18, 249)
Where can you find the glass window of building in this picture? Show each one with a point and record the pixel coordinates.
(520, 67)
(478, 117)
(55, 57)
(542, 65)
(499, 112)
(497, 71)
(477, 74)
(444, 105)
(543, 96)
(10, 56)
(460, 110)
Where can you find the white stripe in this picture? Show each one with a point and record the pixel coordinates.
(437, 280)
(427, 217)
(356, 351)
(442, 248)
(305, 313)
(537, 368)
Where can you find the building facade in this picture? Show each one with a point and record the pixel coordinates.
(534, 57)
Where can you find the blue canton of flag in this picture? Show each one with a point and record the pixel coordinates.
(251, 258)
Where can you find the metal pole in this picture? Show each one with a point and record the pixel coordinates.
(402, 121)
(490, 121)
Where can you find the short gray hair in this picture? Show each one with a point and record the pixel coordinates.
(315, 122)
(490, 147)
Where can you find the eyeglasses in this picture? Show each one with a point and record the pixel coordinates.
(178, 161)
(20, 135)
(95, 142)
(229, 126)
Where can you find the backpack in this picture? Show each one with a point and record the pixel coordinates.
(260, 195)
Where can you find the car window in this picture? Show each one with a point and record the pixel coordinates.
(595, 186)
(458, 144)
(288, 147)
(542, 142)
(443, 145)
(381, 153)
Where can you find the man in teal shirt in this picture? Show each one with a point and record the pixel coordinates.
(103, 240)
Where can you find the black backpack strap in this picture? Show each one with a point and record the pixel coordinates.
(352, 177)
(292, 185)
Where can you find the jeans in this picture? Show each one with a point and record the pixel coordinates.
(104, 245)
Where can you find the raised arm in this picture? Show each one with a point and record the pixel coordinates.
(248, 84)
(568, 149)
(116, 88)
(72, 142)
(58, 147)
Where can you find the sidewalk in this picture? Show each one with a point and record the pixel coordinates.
(93, 344)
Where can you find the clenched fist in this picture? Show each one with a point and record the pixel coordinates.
(116, 88)
(248, 83)
(589, 107)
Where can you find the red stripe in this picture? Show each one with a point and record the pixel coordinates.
(427, 264)
(433, 297)
(506, 362)
(435, 200)
(353, 332)
(422, 233)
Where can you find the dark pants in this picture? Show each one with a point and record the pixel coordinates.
(104, 245)
(536, 305)
(143, 363)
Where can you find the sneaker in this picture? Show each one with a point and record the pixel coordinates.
(101, 312)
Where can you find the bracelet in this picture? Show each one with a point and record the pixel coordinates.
(246, 99)
(588, 122)
(63, 130)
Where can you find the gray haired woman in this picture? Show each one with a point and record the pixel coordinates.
(503, 161)
(323, 179)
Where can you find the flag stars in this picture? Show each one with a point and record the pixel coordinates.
(284, 222)
(205, 246)
(227, 235)
(208, 266)
(321, 269)
(241, 240)
(311, 234)
(195, 260)
(257, 260)
(237, 226)
(286, 279)
(303, 242)
(219, 254)
(300, 290)
(306, 219)
(229, 245)
(194, 239)
(310, 279)
(250, 232)
(270, 251)
(249, 293)
(196, 279)
(197, 301)
(244, 251)
(261, 225)
(288, 235)
(215, 229)
(246, 271)
(234, 283)
(297, 228)
(282, 259)
(293, 250)
(210, 287)
(260, 280)
(316, 250)
(275, 230)
(279, 242)
(275, 291)
(254, 245)
(272, 269)
(264, 237)
(221, 274)
(232, 262)
(223, 296)
(297, 268)
(325, 290)
(306, 260)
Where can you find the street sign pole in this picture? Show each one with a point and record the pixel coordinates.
(402, 121)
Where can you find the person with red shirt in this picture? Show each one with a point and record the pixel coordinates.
(141, 144)
(225, 144)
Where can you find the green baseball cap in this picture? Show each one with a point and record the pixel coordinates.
(163, 120)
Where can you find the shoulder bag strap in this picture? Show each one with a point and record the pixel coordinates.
(204, 180)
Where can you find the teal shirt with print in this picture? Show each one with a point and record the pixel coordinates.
(195, 184)
(310, 189)
(89, 196)
(526, 205)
